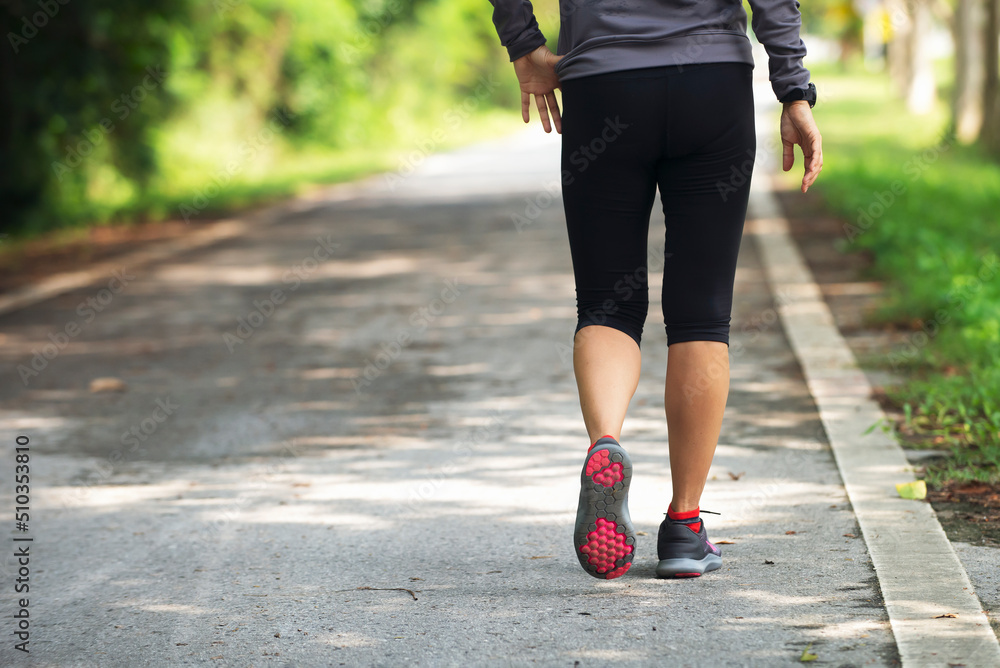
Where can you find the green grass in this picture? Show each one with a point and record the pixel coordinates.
(285, 172)
(926, 210)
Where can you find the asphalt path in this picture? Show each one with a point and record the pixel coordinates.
(351, 436)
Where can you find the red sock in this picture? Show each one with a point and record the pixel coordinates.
(595, 442)
(686, 515)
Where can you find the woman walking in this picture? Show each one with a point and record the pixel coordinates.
(656, 94)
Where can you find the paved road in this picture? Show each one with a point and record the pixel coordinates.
(402, 415)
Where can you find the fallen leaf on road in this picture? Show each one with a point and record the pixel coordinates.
(806, 655)
(737, 476)
(789, 533)
(947, 614)
(415, 579)
(641, 533)
(107, 385)
(723, 542)
(849, 535)
(769, 562)
(912, 490)
(546, 556)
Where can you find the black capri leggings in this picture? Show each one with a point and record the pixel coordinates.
(688, 130)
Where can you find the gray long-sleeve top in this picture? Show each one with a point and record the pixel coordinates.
(598, 36)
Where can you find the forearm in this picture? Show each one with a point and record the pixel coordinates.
(777, 24)
(516, 26)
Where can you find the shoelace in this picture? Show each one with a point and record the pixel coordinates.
(710, 512)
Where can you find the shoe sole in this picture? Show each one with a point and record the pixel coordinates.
(687, 568)
(604, 539)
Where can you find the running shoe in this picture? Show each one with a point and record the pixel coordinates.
(684, 553)
(605, 539)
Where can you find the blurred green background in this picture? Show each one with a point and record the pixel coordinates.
(252, 99)
(117, 112)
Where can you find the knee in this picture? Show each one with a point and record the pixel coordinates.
(626, 316)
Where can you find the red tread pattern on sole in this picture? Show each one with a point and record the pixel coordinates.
(602, 471)
(597, 462)
(618, 572)
(604, 547)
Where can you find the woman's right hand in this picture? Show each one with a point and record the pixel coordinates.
(537, 75)
(799, 127)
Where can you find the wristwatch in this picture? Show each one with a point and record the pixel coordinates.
(808, 94)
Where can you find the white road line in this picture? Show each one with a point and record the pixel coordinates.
(920, 575)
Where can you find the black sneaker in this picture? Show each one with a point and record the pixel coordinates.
(604, 539)
(684, 553)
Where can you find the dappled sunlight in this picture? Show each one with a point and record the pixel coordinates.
(347, 639)
(111, 497)
(514, 318)
(293, 407)
(198, 274)
(303, 513)
(14, 423)
(165, 607)
(607, 654)
(365, 439)
(458, 369)
(325, 374)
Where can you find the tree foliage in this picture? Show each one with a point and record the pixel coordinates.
(91, 135)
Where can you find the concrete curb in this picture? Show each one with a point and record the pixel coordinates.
(919, 572)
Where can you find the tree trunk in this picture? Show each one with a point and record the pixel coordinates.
(922, 92)
(898, 49)
(990, 135)
(910, 66)
(967, 99)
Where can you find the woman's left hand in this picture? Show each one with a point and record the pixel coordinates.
(537, 76)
